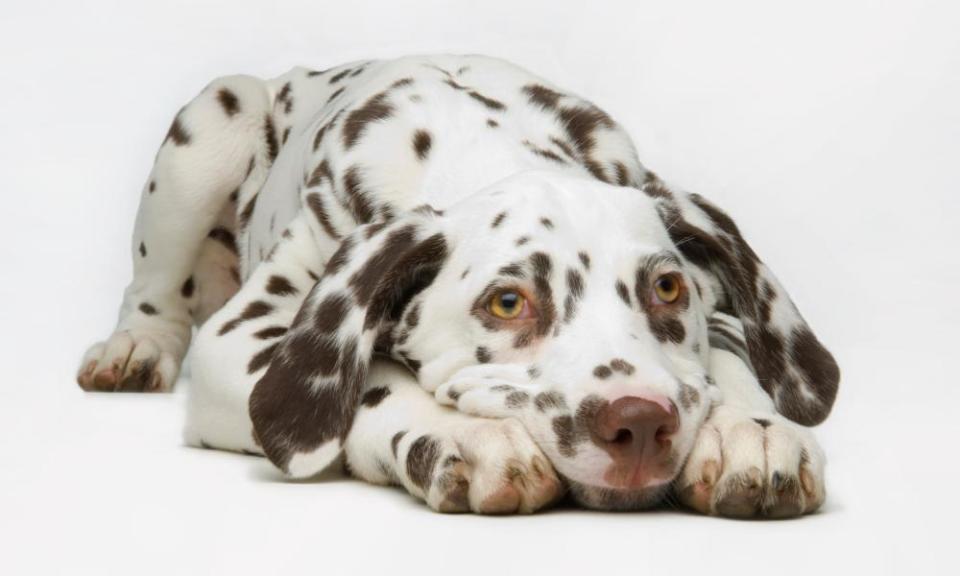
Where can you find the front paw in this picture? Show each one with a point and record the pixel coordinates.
(745, 465)
(129, 362)
(487, 467)
(488, 390)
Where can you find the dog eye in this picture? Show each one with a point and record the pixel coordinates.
(507, 305)
(667, 288)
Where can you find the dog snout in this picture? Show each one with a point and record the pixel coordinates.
(635, 431)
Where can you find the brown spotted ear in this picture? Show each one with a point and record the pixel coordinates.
(792, 366)
(303, 407)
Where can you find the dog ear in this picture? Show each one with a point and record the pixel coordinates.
(791, 364)
(304, 405)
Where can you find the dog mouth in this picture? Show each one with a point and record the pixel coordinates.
(616, 499)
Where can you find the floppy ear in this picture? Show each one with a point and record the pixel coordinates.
(792, 366)
(304, 405)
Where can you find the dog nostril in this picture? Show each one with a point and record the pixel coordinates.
(623, 437)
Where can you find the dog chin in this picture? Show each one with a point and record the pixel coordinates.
(600, 498)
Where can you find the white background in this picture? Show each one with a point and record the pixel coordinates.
(830, 130)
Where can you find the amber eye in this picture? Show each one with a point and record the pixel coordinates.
(667, 288)
(507, 305)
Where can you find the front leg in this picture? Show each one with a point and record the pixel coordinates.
(453, 461)
(748, 460)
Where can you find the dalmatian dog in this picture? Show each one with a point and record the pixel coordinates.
(459, 278)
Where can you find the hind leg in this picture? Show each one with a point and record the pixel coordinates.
(215, 144)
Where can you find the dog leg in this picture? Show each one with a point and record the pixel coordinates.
(215, 143)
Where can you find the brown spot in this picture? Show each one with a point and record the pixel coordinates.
(373, 110)
(340, 75)
(335, 93)
(689, 396)
(178, 133)
(517, 399)
(488, 102)
(270, 137)
(224, 237)
(522, 240)
(498, 219)
(374, 396)
(316, 205)
(623, 177)
(330, 313)
(584, 259)
(280, 286)
(413, 316)
(359, 203)
(152, 187)
(622, 366)
(188, 287)
(483, 355)
(228, 101)
(550, 400)
(542, 96)
(148, 309)
(255, 309)
(533, 372)
(623, 292)
(143, 250)
(563, 428)
(514, 270)
(270, 332)
(602, 372)
(286, 134)
(763, 422)
(421, 143)
(340, 257)
(547, 223)
(401, 83)
(247, 213)
(395, 441)
(421, 459)
(262, 358)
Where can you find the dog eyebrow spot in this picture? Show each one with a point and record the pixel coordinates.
(622, 366)
(515, 270)
(602, 372)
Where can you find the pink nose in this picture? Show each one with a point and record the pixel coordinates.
(636, 433)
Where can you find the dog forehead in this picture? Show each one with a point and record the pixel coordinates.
(557, 210)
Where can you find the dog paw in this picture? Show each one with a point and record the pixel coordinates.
(491, 391)
(746, 465)
(128, 362)
(484, 467)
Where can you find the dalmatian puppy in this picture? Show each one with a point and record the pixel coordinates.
(460, 277)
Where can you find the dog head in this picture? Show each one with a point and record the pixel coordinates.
(577, 307)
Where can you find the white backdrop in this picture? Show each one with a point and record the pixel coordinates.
(830, 130)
